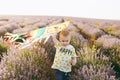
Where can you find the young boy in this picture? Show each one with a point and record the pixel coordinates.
(65, 55)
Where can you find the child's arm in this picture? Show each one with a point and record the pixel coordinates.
(73, 61)
(54, 38)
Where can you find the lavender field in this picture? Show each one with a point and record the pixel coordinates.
(97, 44)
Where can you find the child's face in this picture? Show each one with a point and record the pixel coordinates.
(64, 40)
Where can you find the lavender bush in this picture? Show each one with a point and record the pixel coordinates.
(92, 65)
(3, 48)
(26, 65)
(114, 55)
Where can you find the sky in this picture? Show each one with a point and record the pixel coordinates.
(99, 9)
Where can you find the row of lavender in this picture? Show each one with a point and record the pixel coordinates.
(95, 31)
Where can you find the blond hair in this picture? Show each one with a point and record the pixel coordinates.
(64, 33)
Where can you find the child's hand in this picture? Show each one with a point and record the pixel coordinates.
(73, 61)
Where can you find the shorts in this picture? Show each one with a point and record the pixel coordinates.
(61, 75)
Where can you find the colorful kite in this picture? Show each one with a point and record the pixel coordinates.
(23, 40)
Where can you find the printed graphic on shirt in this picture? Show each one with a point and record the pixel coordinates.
(65, 51)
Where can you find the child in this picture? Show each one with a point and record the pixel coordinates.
(65, 55)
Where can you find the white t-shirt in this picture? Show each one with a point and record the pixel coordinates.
(63, 57)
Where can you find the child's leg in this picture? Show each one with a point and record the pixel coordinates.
(59, 75)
